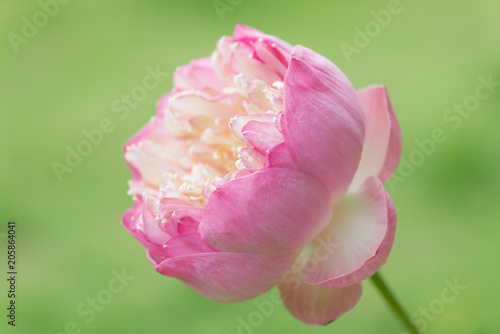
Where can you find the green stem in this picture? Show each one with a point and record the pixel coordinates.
(393, 303)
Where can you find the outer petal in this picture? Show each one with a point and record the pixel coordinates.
(184, 244)
(262, 135)
(272, 211)
(324, 122)
(382, 144)
(316, 305)
(279, 156)
(269, 55)
(162, 103)
(152, 127)
(227, 277)
(357, 242)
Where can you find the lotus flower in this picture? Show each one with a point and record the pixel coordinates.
(264, 167)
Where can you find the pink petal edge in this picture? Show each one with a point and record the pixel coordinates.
(315, 305)
(362, 234)
(323, 120)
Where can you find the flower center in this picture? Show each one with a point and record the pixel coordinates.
(220, 135)
(212, 139)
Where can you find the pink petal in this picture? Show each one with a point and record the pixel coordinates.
(152, 231)
(188, 243)
(226, 277)
(272, 211)
(149, 163)
(144, 132)
(246, 34)
(140, 223)
(151, 128)
(268, 54)
(251, 158)
(315, 305)
(193, 103)
(257, 96)
(357, 242)
(395, 146)
(279, 156)
(185, 223)
(242, 61)
(198, 75)
(178, 219)
(220, 60)
(382, 144)
(237, 123)
(262, 135)
(153, 151)
(323, 124)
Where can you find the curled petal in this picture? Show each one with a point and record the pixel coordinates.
(162, 104)
(268, 54)
(149, 161)
(262, 135)
(177, 219)
(220, 60)
(151, 128)
(243, 61)
(142, 225)
(256, 94)
(382, 145)
(323, 120)
(357, 241)
(248, 34)
(152, 151)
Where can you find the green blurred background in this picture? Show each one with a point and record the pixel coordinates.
(70, 239)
